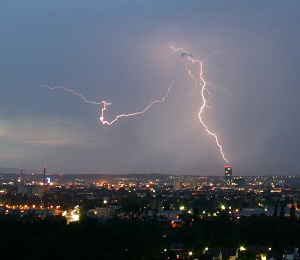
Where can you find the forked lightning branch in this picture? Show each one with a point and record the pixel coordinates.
(198, 79)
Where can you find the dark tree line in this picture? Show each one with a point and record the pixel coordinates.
(136, 238)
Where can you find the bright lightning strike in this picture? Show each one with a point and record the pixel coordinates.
(105, 104)
(73, 92)
(132, 114)
(200, 82)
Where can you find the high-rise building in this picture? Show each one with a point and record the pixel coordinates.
(21, 189)
(193, 183)
(177, 184)
(228, 175)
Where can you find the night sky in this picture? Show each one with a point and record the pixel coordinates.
(119, 51)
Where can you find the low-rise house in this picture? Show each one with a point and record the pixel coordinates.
(213, 254)
(220, 254)
(290, 253)
(260, 251)
(176, 247)
(177, 222)
(104, 212)
(229, 254)
(169, 214)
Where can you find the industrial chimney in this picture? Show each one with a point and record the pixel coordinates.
(44, 175)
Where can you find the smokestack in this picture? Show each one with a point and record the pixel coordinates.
(44, 175)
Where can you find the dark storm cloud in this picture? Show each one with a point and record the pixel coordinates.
(186, 54)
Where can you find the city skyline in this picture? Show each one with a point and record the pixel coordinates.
(120, 53)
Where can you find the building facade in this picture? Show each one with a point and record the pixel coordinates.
(228, 175)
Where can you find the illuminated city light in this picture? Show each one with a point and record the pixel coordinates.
(73, 216)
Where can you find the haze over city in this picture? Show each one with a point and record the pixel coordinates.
(120, 52)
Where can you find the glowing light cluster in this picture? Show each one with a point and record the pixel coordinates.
(200, 83)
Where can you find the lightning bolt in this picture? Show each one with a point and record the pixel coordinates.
(105, 103)
(200, 82)
(132, 114)
(72, 92)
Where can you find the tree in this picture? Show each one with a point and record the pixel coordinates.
(292, 212)
(282, 211)
(275, 214)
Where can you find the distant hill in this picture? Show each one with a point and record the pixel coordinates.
(17, 170)
(9, 170)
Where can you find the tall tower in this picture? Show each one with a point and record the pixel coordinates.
(44, 175)
(21, 183)
(228, 175)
